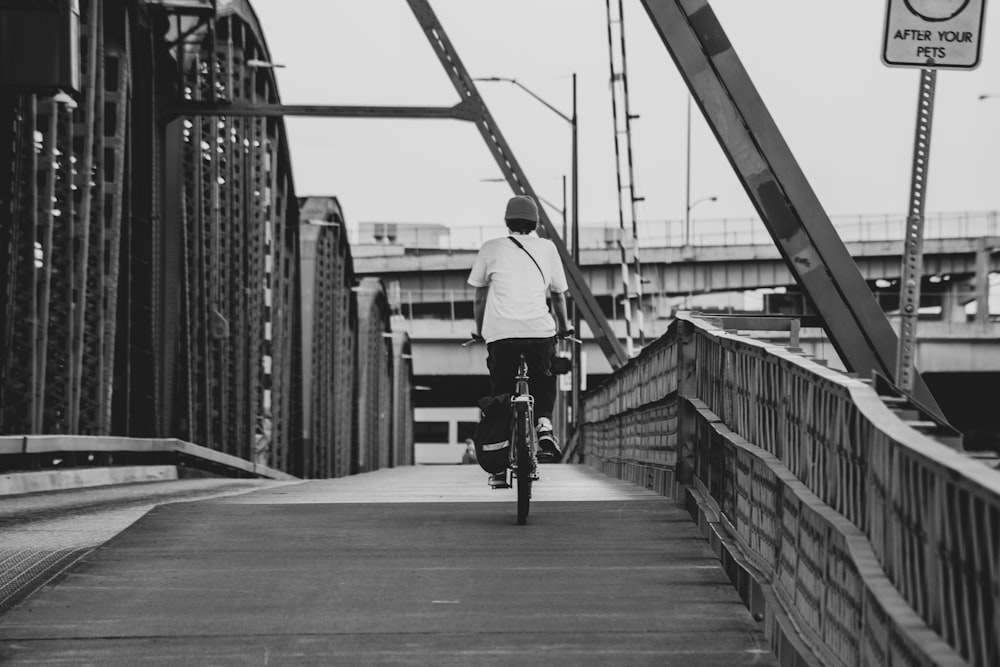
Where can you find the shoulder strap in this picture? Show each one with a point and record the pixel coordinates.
(518, 244)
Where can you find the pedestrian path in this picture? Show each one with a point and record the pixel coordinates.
(421, 565)
(450, 484)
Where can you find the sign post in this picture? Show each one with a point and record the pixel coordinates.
(913, 244)
(933, 33)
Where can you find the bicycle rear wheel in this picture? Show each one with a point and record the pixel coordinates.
(522, 444)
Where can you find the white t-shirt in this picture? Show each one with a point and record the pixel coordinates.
(515, 306)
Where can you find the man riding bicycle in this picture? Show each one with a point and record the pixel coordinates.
(514, 276)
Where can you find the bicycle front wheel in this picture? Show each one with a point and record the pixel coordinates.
(522, 444)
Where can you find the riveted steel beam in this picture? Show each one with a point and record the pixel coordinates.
(237, 109)
(773, 180)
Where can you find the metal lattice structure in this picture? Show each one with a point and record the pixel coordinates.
(628, 231)
(374, 375)
(150, 246)
(238, 252)
(329, 325)
(152, 257)
(62, 242)
(402, 388)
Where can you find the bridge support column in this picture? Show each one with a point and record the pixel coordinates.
(982, 282)
(953, 301)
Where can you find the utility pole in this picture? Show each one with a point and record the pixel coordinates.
(578, 378)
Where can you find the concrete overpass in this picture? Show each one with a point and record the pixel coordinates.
(435, 300)
(432, 282)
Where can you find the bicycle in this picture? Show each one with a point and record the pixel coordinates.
(524, 441)
(522, 463)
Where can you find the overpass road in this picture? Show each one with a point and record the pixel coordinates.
(416, 565)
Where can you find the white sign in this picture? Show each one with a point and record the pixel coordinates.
(933, 33)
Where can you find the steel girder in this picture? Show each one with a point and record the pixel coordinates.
(460, 111)
(402, 402)
(151, 269)
(373, 378)
(328, 334)
(239, 313)
(61, 259)
(772, 178)
(325, 363)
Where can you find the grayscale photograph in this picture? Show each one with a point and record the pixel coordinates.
(482, 332)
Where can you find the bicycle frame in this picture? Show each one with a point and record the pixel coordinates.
(524, 440)
(523, 405)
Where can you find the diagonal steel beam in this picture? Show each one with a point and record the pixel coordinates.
(191, 108)
(772, 178)
(516, 178)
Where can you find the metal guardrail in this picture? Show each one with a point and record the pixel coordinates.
(33, 452)
(881, 544)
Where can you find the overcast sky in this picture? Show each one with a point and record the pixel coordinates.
(848, 118)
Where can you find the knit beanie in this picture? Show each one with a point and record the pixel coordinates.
(521, 207)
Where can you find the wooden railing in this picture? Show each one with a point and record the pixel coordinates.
(877, 543)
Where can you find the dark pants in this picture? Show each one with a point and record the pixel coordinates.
(503, 359)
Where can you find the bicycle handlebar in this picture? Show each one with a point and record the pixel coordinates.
(562, 335)
(567, 335)
(476, 338)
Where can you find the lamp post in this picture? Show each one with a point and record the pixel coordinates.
(572, 120)
(557, 209)
(982, 274)
(575, 204)
(688, 204)
(687, 217)
(687, 179)
(561, 210)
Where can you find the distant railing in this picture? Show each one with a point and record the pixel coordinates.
(882, 544)
(706, 232)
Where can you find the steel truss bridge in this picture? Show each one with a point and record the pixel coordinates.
(160, 280)
(163, 284)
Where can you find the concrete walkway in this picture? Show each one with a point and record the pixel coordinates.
(412, 566)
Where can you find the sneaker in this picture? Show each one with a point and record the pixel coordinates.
(548, 445)
(499, 481)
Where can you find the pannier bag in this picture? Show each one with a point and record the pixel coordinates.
(492, 436)
(562, 363)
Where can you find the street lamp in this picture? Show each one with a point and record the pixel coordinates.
(572, 120)
(560, 210)
(575, 203)
(989, 96)
(687, 217)
(687, 183)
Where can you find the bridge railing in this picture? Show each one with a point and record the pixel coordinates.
(671, 233)
(880, 544)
